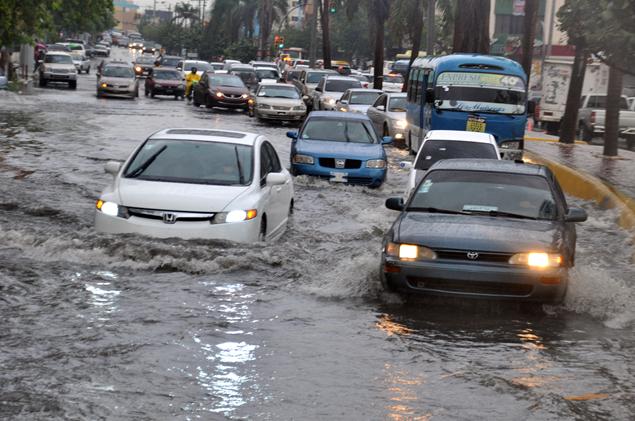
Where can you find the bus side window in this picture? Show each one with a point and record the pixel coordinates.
(412, 85)
(420, 86)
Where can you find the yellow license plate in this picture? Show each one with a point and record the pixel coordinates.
(475, 125)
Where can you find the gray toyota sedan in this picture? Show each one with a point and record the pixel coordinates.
(483, 229)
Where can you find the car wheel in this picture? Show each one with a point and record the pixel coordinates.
(250, 112)
(630, 141)
(386, 131)
(146, 91)
(262, 234)
(208, 103)
(410, 151)
(88, 70)
(72, 84)
(587, 134)
(42, 82)
(176, 97)
(291, 208)
(195, 101)
(152, 94)
(386, 283)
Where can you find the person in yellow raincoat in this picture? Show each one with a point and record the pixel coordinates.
(190, 80)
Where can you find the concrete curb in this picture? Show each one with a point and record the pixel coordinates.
(585, 186)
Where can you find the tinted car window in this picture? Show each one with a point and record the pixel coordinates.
(278, 92)
(166, 75)
(267, 74)
(124, 72)
(186, 161)
(393, 79)
(273, 157)
(145, 60)
(355, 131)
(364, 98)
(479, 192)
(434, 150)
(341, 85)
(58, 59)
(398, 104)
(314, 77)
(226, 80)
(170, 62)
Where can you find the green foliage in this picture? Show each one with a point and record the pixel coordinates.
(242, 50)
(172, 36)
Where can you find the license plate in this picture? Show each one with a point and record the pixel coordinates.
(475, 124)
(339, 177)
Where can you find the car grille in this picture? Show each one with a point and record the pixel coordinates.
(359, 180)
(471, 287)
(462, 255)
(349, 164)
(177, 215)
(235, 96)
(280, 108)
(122, 86)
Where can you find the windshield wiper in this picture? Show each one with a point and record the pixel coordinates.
(501, 213)
(241, 177)
(141, 168)
(437, 210)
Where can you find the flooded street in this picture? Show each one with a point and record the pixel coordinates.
(101, 326)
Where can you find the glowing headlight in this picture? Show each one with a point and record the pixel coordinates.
(108, 208)
(138, 69)
(537, 260)
(219, 95)
(510, 145)
(376, 163)
(401, 124)
(409, 252)
(235, 216)
(244, 96)
(104, 85)
(329, 101)
(302, 159)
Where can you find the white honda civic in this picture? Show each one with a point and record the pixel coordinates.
(198, 183)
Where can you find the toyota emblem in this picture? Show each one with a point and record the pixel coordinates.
(340, 163)
(472, 255)
(169, 218)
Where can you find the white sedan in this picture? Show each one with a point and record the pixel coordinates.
(448, 144)
(198, 183)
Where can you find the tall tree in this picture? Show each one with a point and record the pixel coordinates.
(380, 11)
(326, 33)
(471, 27)
(612, 114)
(529, 33)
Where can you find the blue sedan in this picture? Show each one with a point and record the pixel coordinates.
(342, 147)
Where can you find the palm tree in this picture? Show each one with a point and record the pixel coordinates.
(185, 13)
(269, 12)
(471, 27)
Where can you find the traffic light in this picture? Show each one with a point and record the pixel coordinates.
(280, 42)
(332, 6)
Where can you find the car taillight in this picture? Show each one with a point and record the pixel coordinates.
(592, 117)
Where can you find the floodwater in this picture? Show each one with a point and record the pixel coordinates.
(101, 326)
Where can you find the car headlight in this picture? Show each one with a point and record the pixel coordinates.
(376, 163)
(538, 260)
(342, 109)
(104, 85)
(219, 95)
(510, 145)
(302, 159)
(235, 216)
(244, 96)
(409, 252)
(264, 106)
(111, 209)
(138, 69)
(401, 124)
(299, 108)
(329, 101)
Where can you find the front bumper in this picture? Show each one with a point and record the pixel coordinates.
(366, 176)
(471, 280)
(246, 231)
(117, 92)
(280, 115)
(226, 102)
(60, 77)
(168, 90)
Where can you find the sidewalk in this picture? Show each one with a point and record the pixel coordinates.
(584, 172)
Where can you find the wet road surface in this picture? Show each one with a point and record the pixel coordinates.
(122, 327)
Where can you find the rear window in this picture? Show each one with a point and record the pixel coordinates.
(341, 85)
(315, 77)
(436, 150)
(166, 75)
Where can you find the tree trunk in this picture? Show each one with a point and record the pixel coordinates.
(570, 118)
(416, 38)
(326, 36)
(529, 24)
(431, 28)
(380, 12)
(612, 116)
(471, 27)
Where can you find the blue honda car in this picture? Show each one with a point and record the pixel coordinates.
(342, 147)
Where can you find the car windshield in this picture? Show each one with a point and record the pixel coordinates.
(75, 47)
(77, 57)
(170, 61)
(188, 161)
(397, 104)
(116, 71)
(599, 102)
(338, 130)
(393, 79)
(247, 76)
(278, 92)
(166, 75)
(58, 59)
(341, 85)
(217, 66)
(315, 77)
(267, 74)
(145, 60)
(480, 92)
(200, 66)
(434, 150)
(226, 80)
(489, 193)
(364, 98)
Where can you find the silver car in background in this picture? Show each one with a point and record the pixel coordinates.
(117, 79)
(277, 101)
(388, 115)
(358, 100)
(58, 67)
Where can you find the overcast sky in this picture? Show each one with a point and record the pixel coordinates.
(163, 4)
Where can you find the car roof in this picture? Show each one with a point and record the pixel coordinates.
(329, 71)
(396, 94)
(338, 115)
(490, 165)
(338, 77)
(117, 64)
(459, 136)
(377, 91)
(263, 68)
(58, 53)
(179, 57)
(207, 135)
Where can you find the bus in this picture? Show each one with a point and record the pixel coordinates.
(470, 92)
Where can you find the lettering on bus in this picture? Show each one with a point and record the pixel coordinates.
(480, 79)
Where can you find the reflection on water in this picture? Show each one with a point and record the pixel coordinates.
(103, 296)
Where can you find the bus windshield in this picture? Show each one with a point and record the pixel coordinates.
(480, 92)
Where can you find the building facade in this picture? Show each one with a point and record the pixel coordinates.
(127, 15)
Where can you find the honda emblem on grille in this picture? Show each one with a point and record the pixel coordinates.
(472, 255)
(169, 218)
(340, 163)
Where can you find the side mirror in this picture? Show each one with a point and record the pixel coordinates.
(318, 89)
(381, 107)
(386, 140)
(305, 98)
(405, 165)
(430, 95)
(395, 203)
(112, 167)
(342, 101)
(292, 135)
(40, 61)
(575, 215)
(531, 106)
(275, 179)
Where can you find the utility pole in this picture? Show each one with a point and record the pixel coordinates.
(204, 8)
(313, 34)
(432, 36)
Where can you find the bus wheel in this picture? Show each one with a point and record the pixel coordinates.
(410, 150)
